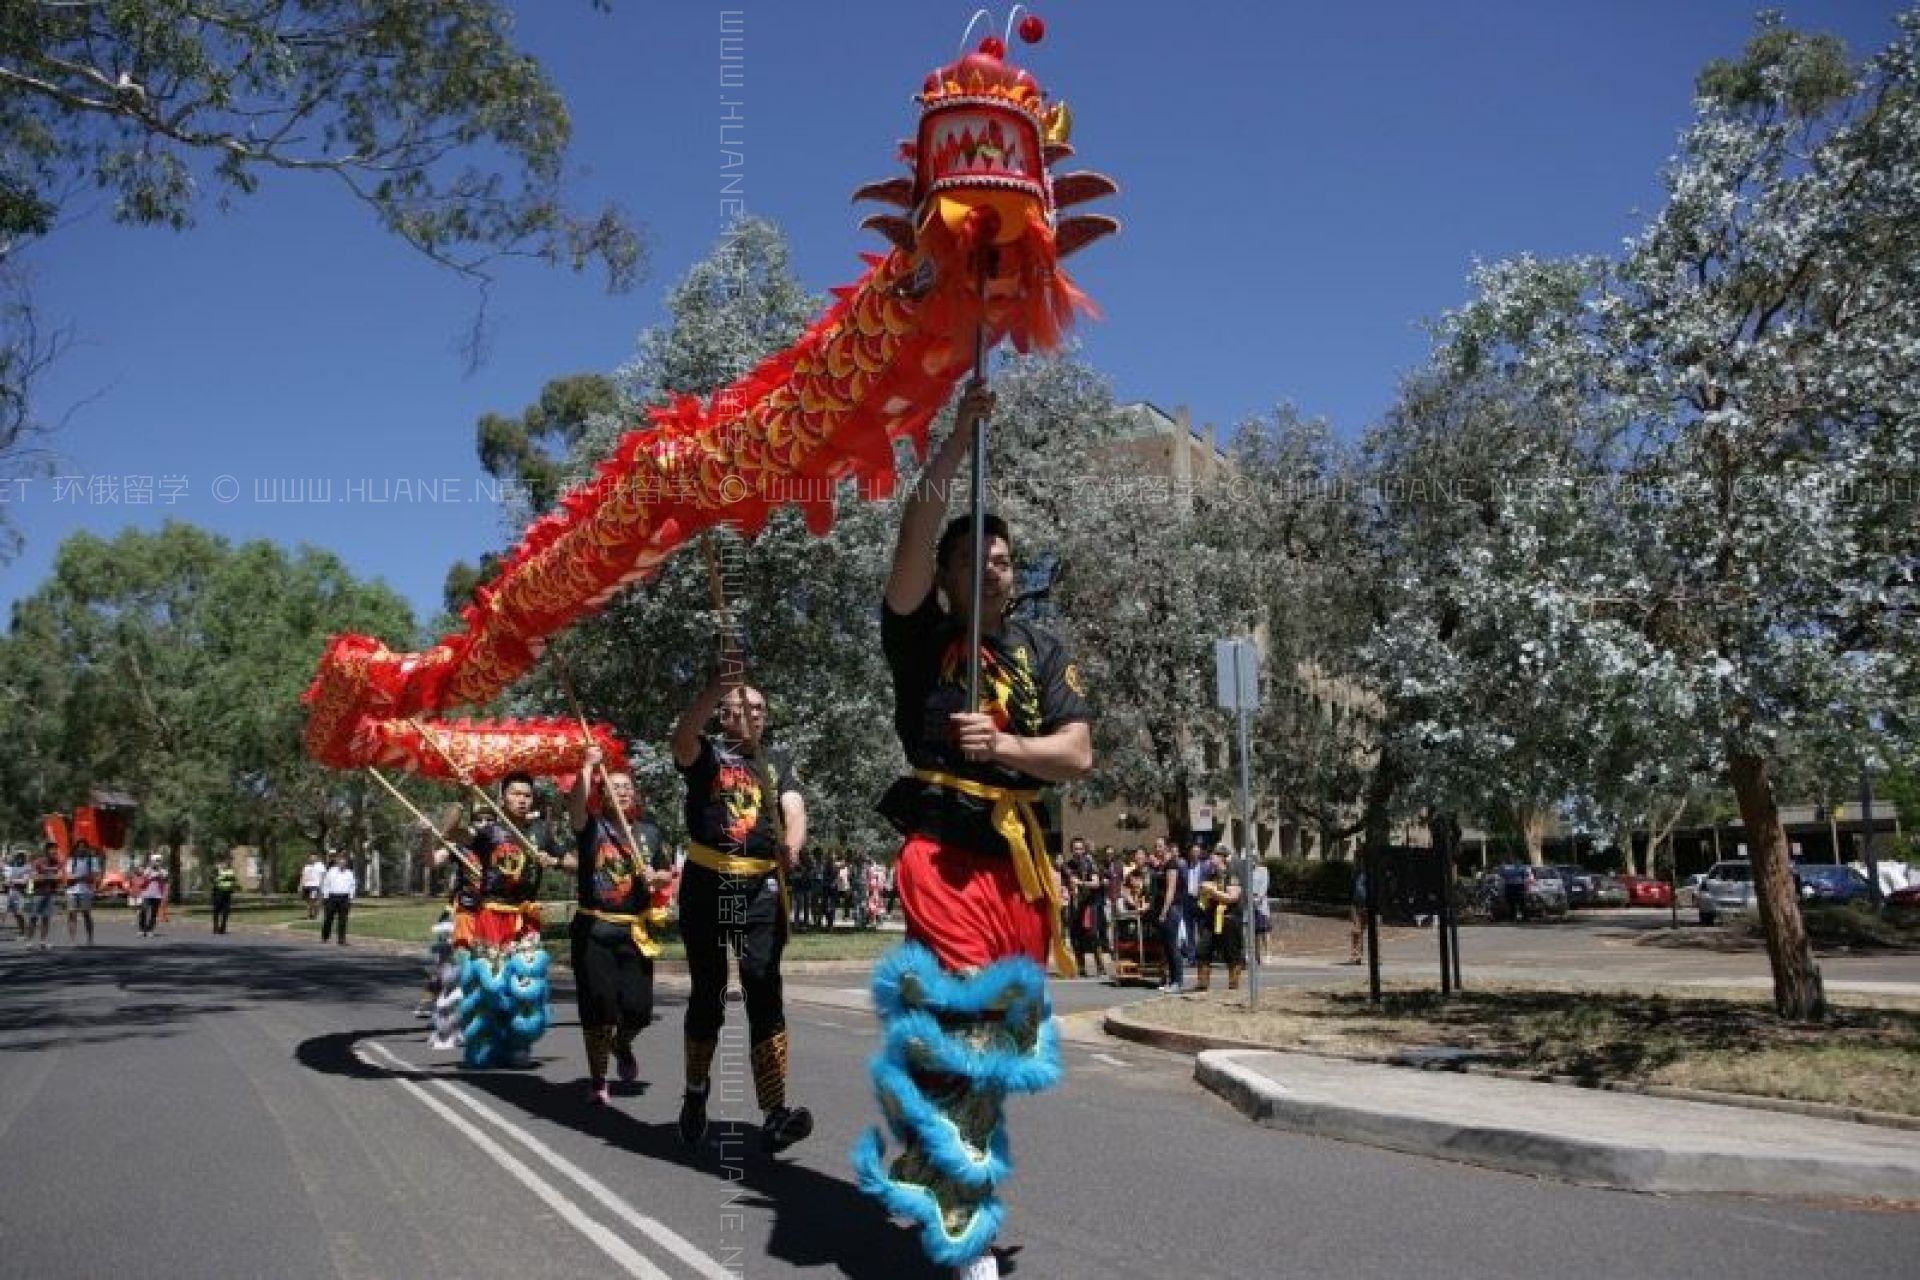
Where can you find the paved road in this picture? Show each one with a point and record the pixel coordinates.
(189, 1106)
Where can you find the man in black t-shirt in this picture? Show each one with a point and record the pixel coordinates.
(615, 884)
(973, 876)
(746, 824)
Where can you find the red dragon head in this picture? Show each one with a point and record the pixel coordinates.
(983, 203)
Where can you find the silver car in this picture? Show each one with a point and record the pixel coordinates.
(1727, 889)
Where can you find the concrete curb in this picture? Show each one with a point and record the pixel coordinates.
(1624, 1164)
(1118, 1025)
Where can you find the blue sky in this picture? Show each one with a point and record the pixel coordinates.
(1302, 186)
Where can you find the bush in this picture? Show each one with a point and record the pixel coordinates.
(1310, 880)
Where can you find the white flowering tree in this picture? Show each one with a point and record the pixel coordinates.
(1742, 381)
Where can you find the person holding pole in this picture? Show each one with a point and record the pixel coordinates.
(618, 862)
(500, 966)
(746, 825)
(963, 1003)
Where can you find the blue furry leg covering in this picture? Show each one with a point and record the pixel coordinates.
(503, 1002)
(953, 1047)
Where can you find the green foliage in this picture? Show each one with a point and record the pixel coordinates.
(170, 664)
(1314, 880)
(423, 109)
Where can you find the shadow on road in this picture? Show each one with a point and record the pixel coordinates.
(818, 1220)
(159, 986)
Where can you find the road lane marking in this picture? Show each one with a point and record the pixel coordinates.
(623, 1254)
(1109, 1059)
(662, 1235)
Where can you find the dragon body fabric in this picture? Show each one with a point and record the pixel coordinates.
(976, 245)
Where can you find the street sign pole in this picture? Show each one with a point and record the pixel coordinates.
(1238, 676)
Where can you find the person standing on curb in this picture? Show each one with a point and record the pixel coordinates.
(225, 881)
(310, 877)
(337, 888)
(43, 882)
(153, 892)
(1357, 937)
(83, 876)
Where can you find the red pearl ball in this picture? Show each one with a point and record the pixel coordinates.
(1032, 29)
(993, 47)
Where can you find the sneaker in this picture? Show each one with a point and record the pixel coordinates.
(981, 1268)
(693, 1114)
(785, 1126)
(598, 1093)
(626, 1066)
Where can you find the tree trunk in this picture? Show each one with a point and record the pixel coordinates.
(1798, 993)
(1533, 829)
(1175, 809)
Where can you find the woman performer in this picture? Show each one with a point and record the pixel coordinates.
(612, 950)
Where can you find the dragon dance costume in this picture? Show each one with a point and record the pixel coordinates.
(493, 997)
(963, 1003)
(613, 950)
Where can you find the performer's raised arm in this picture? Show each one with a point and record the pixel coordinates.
(913, 567)
(728, 674)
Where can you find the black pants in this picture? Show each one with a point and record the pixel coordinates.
(718, 912)
(336, 908)
(613, 982)
(1170, 946)
(222, 908)
(1226, 946)
(149, 914)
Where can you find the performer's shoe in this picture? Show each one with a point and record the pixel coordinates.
(983, 1267)
(693, 1114)
(784, 1127)
(520, 1059)
(626, 1066)
(598, 1093)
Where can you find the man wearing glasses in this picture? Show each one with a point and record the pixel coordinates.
(746, 825)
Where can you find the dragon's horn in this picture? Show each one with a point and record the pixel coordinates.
(1075, 234)
(1054, 152)
(897, 230)
(894, 191)
(1077, 188)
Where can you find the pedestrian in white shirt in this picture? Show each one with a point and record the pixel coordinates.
(310, 877)
(336, 891)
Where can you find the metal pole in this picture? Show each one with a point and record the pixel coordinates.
(978, 514)
(1247, 843)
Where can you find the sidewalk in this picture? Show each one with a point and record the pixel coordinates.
(1625, 1141)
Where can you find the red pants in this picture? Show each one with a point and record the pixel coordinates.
(967, 907)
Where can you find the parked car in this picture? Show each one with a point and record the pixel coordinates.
(1645, 891)
(1580, 885)
(1517, 891)
(1829, 882)
(1726, 888)
(1905, 900)
(1608, 891)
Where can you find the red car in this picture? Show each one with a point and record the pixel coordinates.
(1645, 891)
(1907, 899)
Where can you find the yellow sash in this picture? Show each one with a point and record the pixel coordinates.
(1018, 823)
(733, 864)
(637, 923)
(727, 864)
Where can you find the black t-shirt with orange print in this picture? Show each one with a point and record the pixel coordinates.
(1028, 684)
(610, 876)
(733, 798)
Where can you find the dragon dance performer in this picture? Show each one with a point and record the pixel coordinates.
(746, 825)
(613, 952)
(497, 1008)
(963, 1003)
